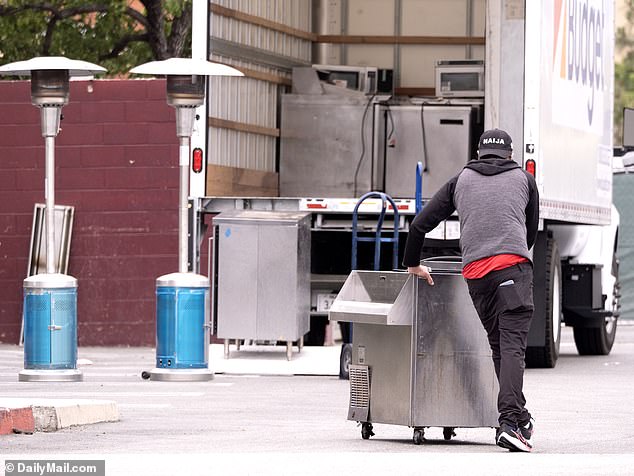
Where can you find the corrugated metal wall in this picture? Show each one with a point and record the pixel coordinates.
(245, 101)
(265, 39)
(413, 64)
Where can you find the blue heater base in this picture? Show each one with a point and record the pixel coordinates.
(50, 328)
(182, 334)
(180, 320)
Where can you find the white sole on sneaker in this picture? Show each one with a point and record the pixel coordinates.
(513, 442)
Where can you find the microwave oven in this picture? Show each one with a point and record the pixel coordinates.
(460, 78)
(366, 79)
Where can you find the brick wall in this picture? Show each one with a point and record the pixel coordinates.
(117, 164)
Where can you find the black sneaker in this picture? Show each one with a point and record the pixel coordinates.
(512, 439)
(527, 431)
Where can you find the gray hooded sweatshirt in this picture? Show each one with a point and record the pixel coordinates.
(498, 208)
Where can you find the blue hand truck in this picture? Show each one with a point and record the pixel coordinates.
(346, 349)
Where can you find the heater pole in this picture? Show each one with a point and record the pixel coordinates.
(49, 194)
(183, 206)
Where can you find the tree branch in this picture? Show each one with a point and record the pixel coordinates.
(178, 35)
(90, 8)
(44, 7)
(137, 16)
(48, 36)
(156, 28)
(122, 44)
(7, 11)
(51, 8)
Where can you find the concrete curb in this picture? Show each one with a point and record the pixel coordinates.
(27, 416)
(16, 420)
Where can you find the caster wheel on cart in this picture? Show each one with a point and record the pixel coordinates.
(419, 436)
(366, 431)
(448, 433)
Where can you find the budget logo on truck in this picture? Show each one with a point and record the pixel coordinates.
(582, 52)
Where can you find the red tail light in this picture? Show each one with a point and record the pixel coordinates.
(197, 160)
(530, 167)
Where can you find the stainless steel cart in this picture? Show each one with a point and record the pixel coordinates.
(420, 356)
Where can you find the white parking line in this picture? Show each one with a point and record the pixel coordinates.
(144, 405)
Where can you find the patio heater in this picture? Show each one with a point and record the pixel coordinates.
(50, 299)
(182, 298)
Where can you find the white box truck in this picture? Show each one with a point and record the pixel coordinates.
(548, 81)
(558, 96)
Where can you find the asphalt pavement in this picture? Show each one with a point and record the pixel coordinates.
(263, 415)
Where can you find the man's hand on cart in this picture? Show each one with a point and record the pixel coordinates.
(423, 272)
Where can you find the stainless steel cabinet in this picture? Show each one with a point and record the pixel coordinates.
(263, 276)
(438, 136)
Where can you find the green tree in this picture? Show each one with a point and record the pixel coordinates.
(108, 32)
(624, 73)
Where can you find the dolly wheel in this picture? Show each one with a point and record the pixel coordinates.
(419, 436)
(366, 431)
(448, 433)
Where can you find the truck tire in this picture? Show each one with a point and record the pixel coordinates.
(345, 359)
(548, 292)
(599, 340)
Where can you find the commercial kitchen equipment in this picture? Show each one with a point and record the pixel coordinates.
(438, 134)
(356, 142)
(420, 356)
(263, 276)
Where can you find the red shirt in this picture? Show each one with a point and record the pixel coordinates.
(482, 267)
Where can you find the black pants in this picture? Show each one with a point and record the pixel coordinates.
(504, 302)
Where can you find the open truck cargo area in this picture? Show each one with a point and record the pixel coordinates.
(543, 72)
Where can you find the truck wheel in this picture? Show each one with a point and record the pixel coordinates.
(599, 340)
(548, 291)
(345, 359)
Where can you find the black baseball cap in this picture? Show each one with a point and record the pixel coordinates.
(495, 142)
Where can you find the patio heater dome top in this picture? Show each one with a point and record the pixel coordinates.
(49, 80)
(186, 66)
(74, 67)
(185, 82)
